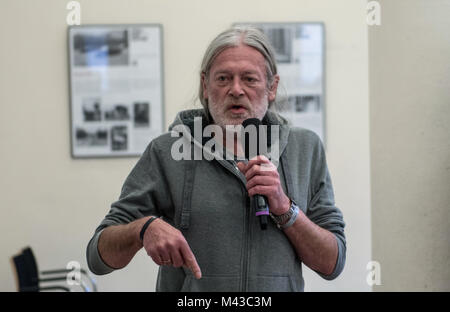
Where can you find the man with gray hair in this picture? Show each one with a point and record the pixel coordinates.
(193, 216)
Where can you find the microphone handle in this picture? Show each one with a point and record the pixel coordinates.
(261, 210)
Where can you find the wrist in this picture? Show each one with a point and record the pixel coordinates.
(284, 207)
(135, 229)
(144, 227)
(287, 219)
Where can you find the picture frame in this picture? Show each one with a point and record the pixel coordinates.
(300, 55)
(116, 88)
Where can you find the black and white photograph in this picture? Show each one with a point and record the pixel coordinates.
(119, 138)
(281, 39)
(116, 83)
(141, 114)
(91, 109)
(117, 112)
(299, 53)
(305, 103)
(93, 137)
(101, 48)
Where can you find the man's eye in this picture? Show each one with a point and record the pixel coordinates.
(222, 78)
(250, 79)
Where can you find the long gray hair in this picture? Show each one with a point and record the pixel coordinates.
(234, 37)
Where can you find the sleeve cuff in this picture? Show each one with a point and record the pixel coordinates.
(339, 263)
(95, 262)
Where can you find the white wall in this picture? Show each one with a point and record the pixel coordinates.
(410, 144)
(54, 203)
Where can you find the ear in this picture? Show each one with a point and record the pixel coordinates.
(205, 92)
(273, 88)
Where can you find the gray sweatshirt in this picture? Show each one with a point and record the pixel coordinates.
(208, 202)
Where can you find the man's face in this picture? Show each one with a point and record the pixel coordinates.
(236, 88)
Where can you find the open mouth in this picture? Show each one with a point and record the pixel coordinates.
(237, 108)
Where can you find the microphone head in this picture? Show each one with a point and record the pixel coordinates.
(251, 121)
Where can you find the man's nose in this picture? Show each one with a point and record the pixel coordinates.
(236, 89)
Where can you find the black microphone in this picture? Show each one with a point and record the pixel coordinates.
(252, 139)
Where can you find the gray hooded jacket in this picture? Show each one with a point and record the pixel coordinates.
(207, 201)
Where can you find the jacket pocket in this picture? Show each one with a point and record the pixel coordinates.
(272, 283)
(211, 283)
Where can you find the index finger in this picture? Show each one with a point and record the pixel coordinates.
(190, 261)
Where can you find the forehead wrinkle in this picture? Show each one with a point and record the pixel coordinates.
(228, 62)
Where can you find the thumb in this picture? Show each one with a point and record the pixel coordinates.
(241, 166)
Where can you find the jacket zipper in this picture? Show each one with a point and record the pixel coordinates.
(247, 231)
(246, 251)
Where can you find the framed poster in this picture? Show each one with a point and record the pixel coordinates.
(300, 55)
(116, 88)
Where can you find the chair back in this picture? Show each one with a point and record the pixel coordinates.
(26, 271)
